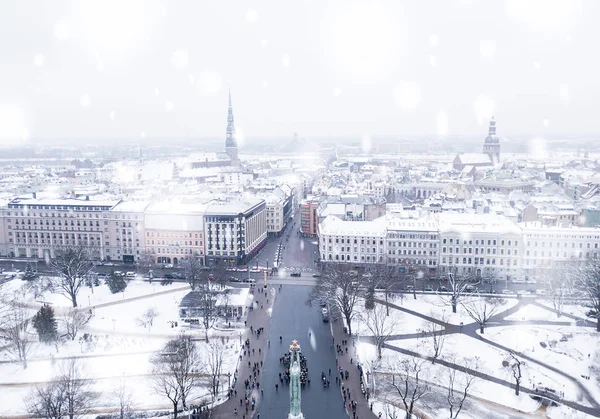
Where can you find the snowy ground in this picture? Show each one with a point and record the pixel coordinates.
(438, 307)
(532, 312)
(436, 374)
(115, 351)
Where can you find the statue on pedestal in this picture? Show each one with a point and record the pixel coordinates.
(295, 389)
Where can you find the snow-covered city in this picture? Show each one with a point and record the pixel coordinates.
(337, 209)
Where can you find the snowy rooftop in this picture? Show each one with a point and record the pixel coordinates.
(65, 202)
(334, 226)
(131, 206)
(399, 222)
(477, 223)
(538, 227)
(474, 158)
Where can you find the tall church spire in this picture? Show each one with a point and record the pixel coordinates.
(491, 145)
(230, 141)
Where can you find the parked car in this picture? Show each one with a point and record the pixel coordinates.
(518, 281)
(234, 279)
(317, 275)
(212, 277)
(170, 276)
(109, 264)
(130, 274)
(410, 288)
(242, 269)
(230, 269)
(119, 273)
(255, 269)
(428, 288)
(296, 274)
(325, 314)
(442, 289)
(249, 280)
(167, 266)
(507, 292)
(470, 288)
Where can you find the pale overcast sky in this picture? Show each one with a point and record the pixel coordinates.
(120, 68)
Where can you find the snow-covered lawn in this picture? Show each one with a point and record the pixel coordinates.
(437, 307)
(435, 374)
(532, 312)
(398, 322)
(574, 355)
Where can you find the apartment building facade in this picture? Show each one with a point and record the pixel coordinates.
(309, 217)
(174, 231)
(356, 242)
(234, 231)
(126, 231)
(548, 248)
(412, 243)
(35, 228)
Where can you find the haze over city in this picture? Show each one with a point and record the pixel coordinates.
(127, 70)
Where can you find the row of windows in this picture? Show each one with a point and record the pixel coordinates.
(413, 236)
(479, 261)
(589, 245)
(172, 234)
(362, 241)
(362, 249)
(412, 244)
(490, 242)
(412, 252)
(185, 243)
(429, 262)
(363, 258)
(478, 251)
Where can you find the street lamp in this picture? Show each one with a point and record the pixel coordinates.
(229, 379)
(114, 321)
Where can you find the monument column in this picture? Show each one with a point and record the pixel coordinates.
(295, 388)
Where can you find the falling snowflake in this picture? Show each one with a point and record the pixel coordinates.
(156, 91)
(180, 58)
(264, 43)
(85, 101)
(537, 65)
(251, 16)
(112, 115)
(538, 148)
(286, 60)
(433, 40)
(191, 79)
(564, 92)
(99, 63)
(484, 108)
(39, 60)
(487, 49)
(264, 84)
(432, 61)
(441, 123)
(12, 123)
(61, 31)
(143, 134)
(366, 143)
(545, 122)
(407, 94)
(337, 91)
(209, 82)
(169, 106)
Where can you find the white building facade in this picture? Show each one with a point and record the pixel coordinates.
(356, 242)
(412, 243)
(549, 247)
(480, 245)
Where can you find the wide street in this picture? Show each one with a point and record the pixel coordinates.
(293, 319)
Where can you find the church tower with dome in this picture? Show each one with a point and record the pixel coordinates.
(491, 145)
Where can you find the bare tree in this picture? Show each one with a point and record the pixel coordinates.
(382, 280)
(66, 395)
(146, 262)
(38, 286)
(481, 309)
(148, 317)
(341, 288)
(123, 398)
(459, 286)
(380, 325)
(516, 366)
(16, 331)
(407, 380)
(74, 320)
(435, 335)
(558, 284)
(205, 300)
(212, 366)
(192, 271)
(458, 388)
(587, 278)
(174, 372)
(72, 265)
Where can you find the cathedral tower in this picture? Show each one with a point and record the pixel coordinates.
(491, 145)
(231, 147)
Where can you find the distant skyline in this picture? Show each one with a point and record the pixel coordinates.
(134, 69)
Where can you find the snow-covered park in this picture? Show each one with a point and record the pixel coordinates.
(554, 355)
(116, 346)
